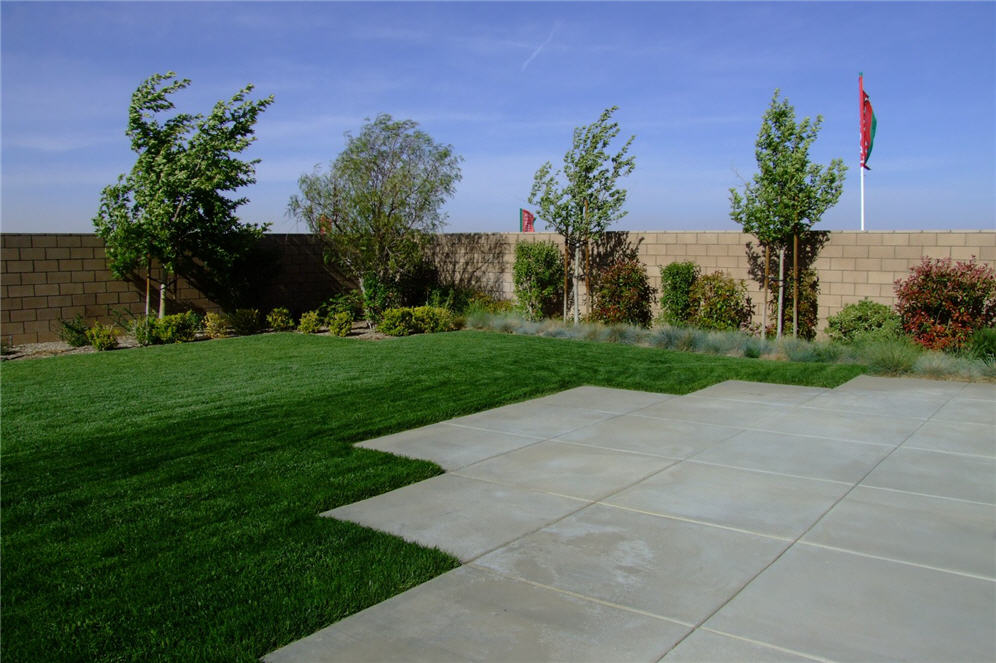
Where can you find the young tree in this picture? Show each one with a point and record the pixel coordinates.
(788, 195)
(588, 201)
(171, 207)
(382, 197)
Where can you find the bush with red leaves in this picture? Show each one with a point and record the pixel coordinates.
(941, 304)
(623, 295)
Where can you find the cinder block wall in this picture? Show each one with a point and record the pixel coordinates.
(851, 266)
(45, 278)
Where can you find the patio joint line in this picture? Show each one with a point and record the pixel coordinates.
(953, 453)
(488, 430)
(939, 497)
(812, 657)
(692, 459)
(583, 597)
(940, 569)
(693, 521)
(504, 484)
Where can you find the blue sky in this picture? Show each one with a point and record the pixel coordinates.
(505, 84)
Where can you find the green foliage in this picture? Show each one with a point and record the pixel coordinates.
(808, 310)
(677, 279)
(623, 295)
(588, 201)
(101, 337)
(481, 302)
(310, 323)
(863, 321)
(788, 195)
(172, 206)
(942, 304)
(418, 320)
(378, 296)
(717, 301)
(889, 356)
(216, 325)
(984, 344)
(74, 331)
(538, 277)
(245, 321)
(350, 302)
(178, 328)
(340, 324)
(381, 199)
(145, 330)
(280, 319)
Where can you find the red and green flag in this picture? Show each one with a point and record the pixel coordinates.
(526, 219)
(868, 124)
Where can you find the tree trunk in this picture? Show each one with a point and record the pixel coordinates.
(162, 297)
(781, 289)
(577, 275)
(764, 306)
(148, 285)
(587, 276)
(795, 286)
(567, 271)
(363, 296)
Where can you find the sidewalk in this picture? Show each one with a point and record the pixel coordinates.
(745, 521)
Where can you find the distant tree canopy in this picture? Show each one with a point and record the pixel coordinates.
(171, 207)
(381, 199)
(582, 200)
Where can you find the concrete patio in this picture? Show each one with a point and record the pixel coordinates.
(745, 521)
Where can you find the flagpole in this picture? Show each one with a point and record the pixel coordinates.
(861, 147)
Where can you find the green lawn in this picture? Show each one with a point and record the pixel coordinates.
(161, 503)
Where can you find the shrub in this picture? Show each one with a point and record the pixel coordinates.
(310, 322)
(942, 305)
(245, 321)
(145, 330)
(101, 337)
(677, 280)
(809, 291)
(481, 302)
(177, 328)
(450, 297)
(864, 321)
(538, 276)
(280, 319)
(74, 332)
(378, 296)
(216, 325)
(350, 302)
(984, 344)
(432, 319)
(623, 295)
(717, 301)
(396, 322)
(340, 324)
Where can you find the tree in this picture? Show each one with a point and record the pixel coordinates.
(171, 207)
(788, 195)
(381, 199)
(588, 201)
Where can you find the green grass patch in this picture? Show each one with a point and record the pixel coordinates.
(161, 503)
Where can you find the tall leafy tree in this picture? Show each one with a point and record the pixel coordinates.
(376, 207)
(172, 207)
(582, 200)
(789, 194)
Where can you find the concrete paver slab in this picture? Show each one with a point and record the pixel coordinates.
(955, 437)
(667, 567)
(451, 447)
(980, 390)
(851, 426)
(470, 614)
(796, 455)
(902, 385)
(903, 405)
(706, 410)
(574, 470)
(933, 531)
(704, 645)
(660, 437)
(464, 517)
(846, 607)
(603, 399)
(541, 421)
(758, 502)
(937, 473)
(762, 392)
(973, 410)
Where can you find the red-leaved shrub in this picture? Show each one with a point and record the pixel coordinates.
(941, 304)
(623, 295)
